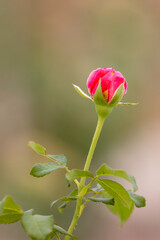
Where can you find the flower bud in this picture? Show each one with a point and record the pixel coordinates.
(107, 87)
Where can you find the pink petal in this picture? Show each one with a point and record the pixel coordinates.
(116, 82)
(94, 78)
(94, 88)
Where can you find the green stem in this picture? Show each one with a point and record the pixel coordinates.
(86, 168)
(92, 147)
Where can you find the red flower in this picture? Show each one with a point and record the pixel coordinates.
(110, 81)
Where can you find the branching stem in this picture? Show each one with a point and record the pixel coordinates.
(78, 209)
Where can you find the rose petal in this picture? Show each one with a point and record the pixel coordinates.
(94, 77)
(115, 83)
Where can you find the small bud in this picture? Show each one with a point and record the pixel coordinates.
(111, 81)
(106, 87)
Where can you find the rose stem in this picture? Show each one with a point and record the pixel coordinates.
(86, 168)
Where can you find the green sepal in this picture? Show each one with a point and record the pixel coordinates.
(127, 104)
(42, 169)
(75, 173)
(37, 148)
(106, 170)
(103, 109)
(80, 91)
(37, 227)
(107, 201)
(118, 95)
(139, 201)
(10, 211)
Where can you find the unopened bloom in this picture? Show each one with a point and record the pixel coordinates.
(110, 79)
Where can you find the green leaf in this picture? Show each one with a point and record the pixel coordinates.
(75, 173)
(127, 104)
(119, 209)
(89, 190)
(42, 169)
(51, 235)
(71, 197)
(37, 227)
(59, 229)
(62, 206)
(10, 211)
(79, 90)
(106, 201)
(61, 159)
(117, 191)
(139, 201)
(117, 95)
(106, 170)
(37, 148)
(98, 188)
(65, 199)
(74, 193)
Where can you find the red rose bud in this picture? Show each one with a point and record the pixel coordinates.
(107, 87)
(110, 79)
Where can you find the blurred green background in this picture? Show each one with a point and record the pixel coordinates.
(46, 46)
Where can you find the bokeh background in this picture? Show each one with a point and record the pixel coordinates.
(45, 46)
